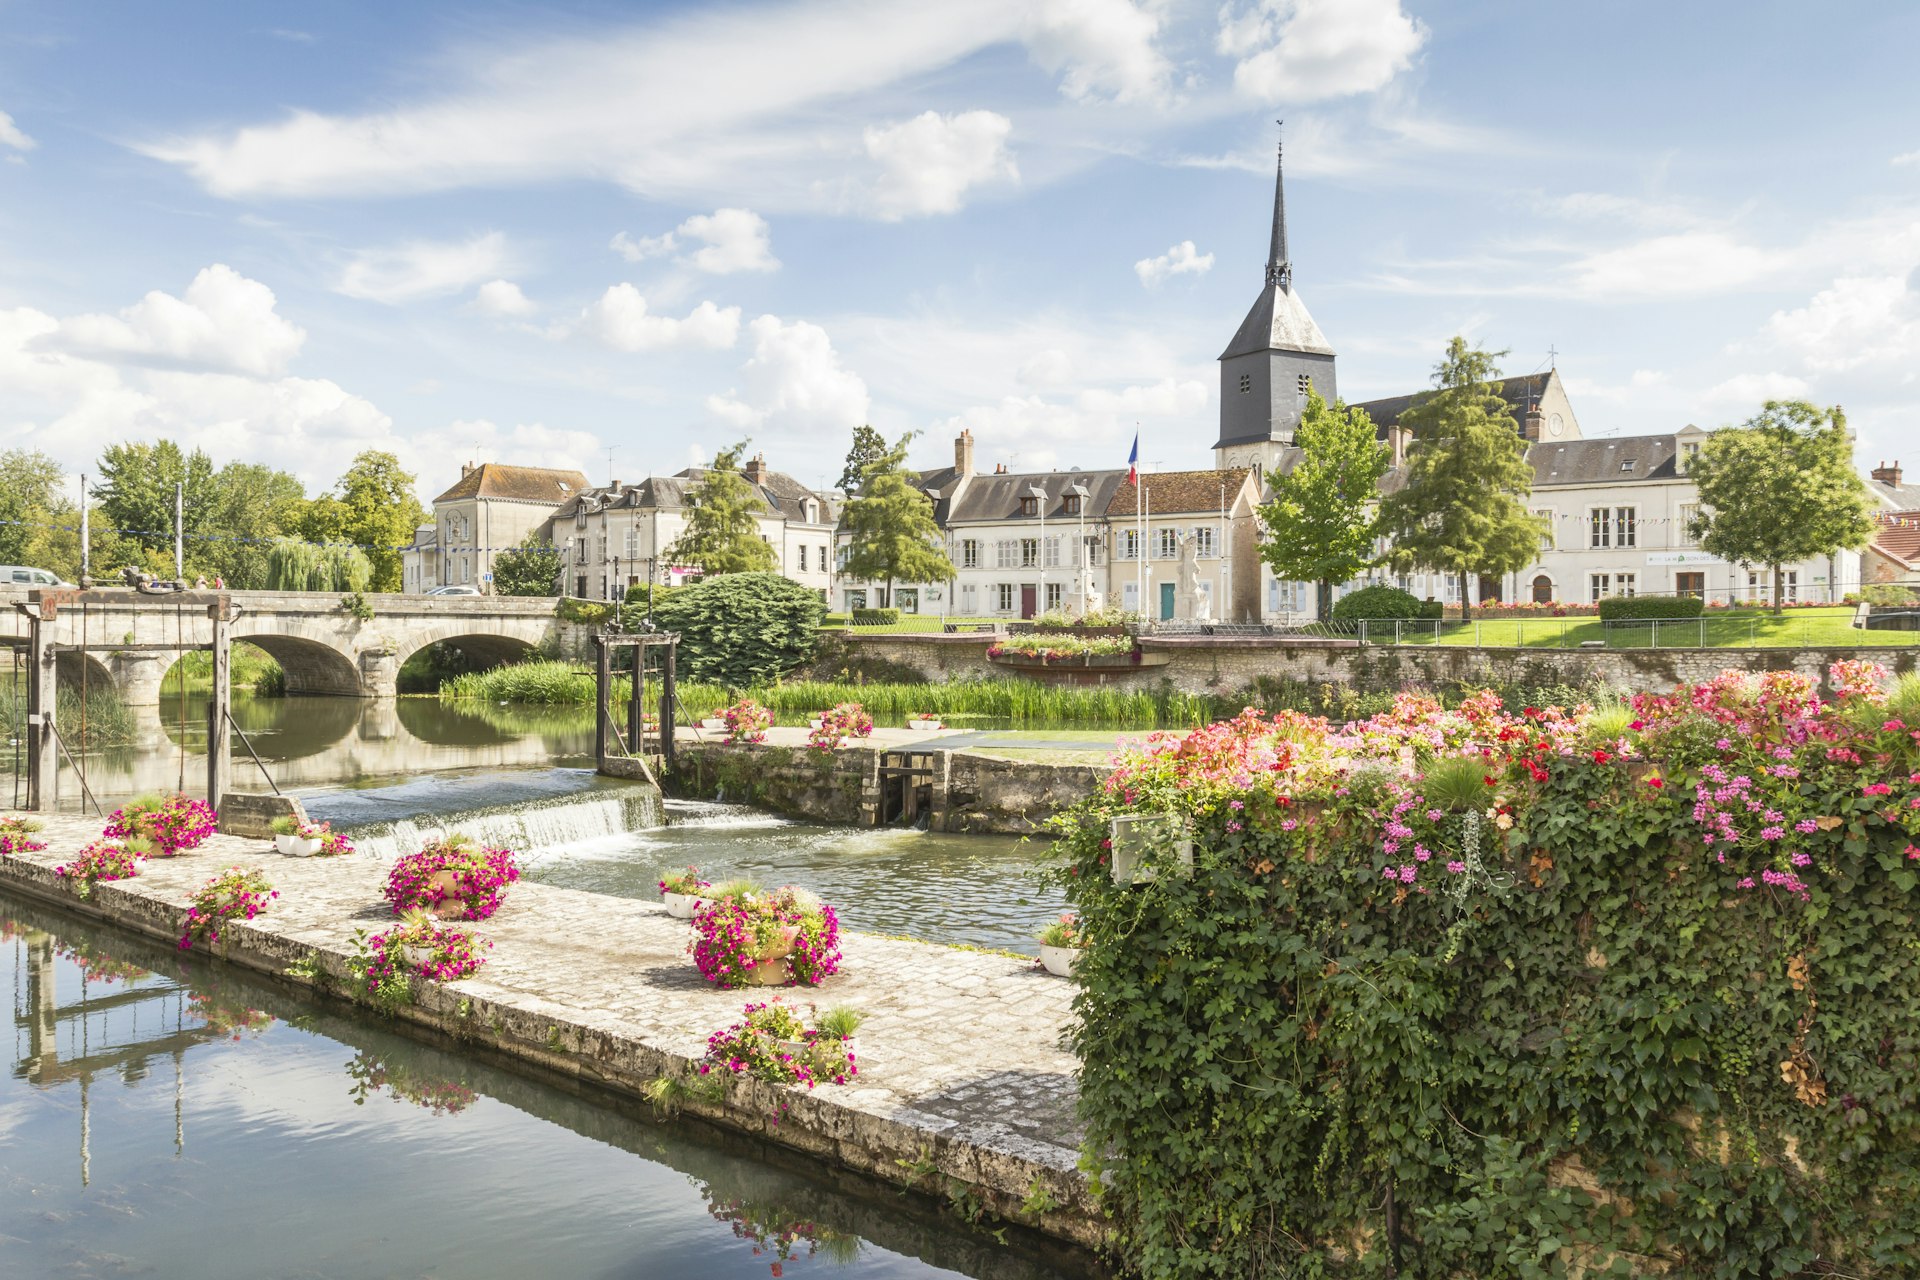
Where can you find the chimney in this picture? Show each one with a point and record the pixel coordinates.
(963, 452)
(1535, 420)
(1884, 474)
(466, 469)
(757, 469)
(999, 468)
(1397, 437)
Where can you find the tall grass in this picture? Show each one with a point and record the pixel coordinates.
(250, 667)
(109, 722)
(545, 682)
(1012, 701)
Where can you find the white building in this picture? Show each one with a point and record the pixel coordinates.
(492, 509)
(1210, 515)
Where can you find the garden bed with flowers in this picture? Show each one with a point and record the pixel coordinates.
(1626, 989)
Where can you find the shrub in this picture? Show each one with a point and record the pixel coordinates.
(234, 894)
(742, 629)
(640, 593)
(1432, 610)
(1886, 595)
(875, 617)
(738, 933)
(1376, 603)
(1648, 608)
(590, 612)
(102, 860)
(16, 836)
(837, 620)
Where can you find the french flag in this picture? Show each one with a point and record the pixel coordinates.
(1133, 461)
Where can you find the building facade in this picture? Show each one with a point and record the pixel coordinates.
(1185, 546)
(492, 509)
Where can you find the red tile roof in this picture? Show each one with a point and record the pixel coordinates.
(1176, 492)
(1898, 535)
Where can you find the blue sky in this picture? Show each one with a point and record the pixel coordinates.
(529, 233)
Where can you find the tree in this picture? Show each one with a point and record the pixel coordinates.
(1779, 488)
(743, 629)
(868, 446)
(293, 565)
(723, 526)
(530, 569)
(135, 493)
(250, 504)
(31, 506)
(1464, 508)
(1323, 525)
(374, 508)
(890, 525)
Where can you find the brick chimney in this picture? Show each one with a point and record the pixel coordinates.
(963, 452)
(466, 469)
(1884, 474)
(999, 468)
(1532, 424)
(757, 469)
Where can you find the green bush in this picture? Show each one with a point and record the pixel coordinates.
(875, 617)
(1886, 594)
(1649, 608)
(1432, 610)
(742, 629)
(837, 620)
(1376, 603)
(591, 612)
(639, 593)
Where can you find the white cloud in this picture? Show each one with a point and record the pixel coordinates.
(1859, 321)
(1105, 47)
(430, 454)
(424, 268)
(619, 319)
(1906, 157)
(1686, 263)
(1754, 389)
(793, 383)
(1180, 260)
(1034, 433)
(1049, 368)
(502, 298)
(1168, 397)
(928, 163)
(1311, 50)
(11, 135)
(733, 240)
(223, 321)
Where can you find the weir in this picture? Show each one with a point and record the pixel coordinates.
(523, 825)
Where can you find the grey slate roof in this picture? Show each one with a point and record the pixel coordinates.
(997, 497)
(1602, 460)
(1520, 391)
(1278, 322)
(780, 494)
(1902, 497)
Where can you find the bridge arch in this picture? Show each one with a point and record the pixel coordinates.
(484, 648)
(313, 667)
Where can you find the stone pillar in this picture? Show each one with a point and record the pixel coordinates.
(379, 674)
(137, 676)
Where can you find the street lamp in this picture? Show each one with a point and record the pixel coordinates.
(1080, 495)
(1040, 495)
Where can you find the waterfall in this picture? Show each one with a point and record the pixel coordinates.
(526, 827)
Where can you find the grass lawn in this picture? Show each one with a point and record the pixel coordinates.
(1819, 628)
(917, 622)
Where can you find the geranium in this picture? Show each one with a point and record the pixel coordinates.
(1064, 932)
(844, 720)
(686, 880)
(102, 860)
(453, 871)
(331, 842)
(173, 823)
(773, 1042)
(737, 937)
(16, 836)
(234, 894)
(746, 721)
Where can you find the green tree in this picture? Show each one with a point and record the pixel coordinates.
(1323, 522)
(742, 630)
(530, 569)
(868, 447)
(1464, 508)
(890, 528)
(135, 493)
(1780, 487)
(293, 565)
(31, 506)
(723, 528)
(250, 504)
(373, 506)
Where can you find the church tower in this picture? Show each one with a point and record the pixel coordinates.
(1278, 354)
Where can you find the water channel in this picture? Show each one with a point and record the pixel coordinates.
(170, 1116)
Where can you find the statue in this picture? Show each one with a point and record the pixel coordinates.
(1188, 602)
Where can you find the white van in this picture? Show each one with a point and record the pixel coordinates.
(19, 575)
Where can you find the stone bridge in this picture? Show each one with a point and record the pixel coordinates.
(120, 637)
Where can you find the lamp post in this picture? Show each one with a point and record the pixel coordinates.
(1080, 495)
(1039, 494)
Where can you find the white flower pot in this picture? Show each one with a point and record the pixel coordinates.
(814, 724)
(924, 724)
(415, 956)
(681, 906)
(298, 846)
(1059, 960)
(713, 723)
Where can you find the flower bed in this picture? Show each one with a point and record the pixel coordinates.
(101, 860)
(453, 878)
(766, 939)
(746, 721)
(1053, 646)
(837, 723)
(173, 823)
(16, 836)
(1509, 994)
(773, 1042)
(234, 894)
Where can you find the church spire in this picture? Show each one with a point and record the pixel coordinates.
(1279, 269)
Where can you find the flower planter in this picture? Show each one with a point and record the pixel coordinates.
(713, 723)
(925, 724)
(1059, 960)
(681, 906)
(416, 956)
(768, 973)
(298, 846)
(816, 722)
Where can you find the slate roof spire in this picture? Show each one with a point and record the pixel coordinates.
(1279, 267)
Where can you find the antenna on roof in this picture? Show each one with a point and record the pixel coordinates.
(609, 466)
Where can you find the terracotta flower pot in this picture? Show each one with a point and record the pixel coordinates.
(768, 973)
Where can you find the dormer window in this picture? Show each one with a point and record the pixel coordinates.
(1029, 506)
(1071, 504)
(1628, 464)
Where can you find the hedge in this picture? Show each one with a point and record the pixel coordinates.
(1551, 1001)
(1376, 603)
(1649, 608)
(741, 629)
(875, 617)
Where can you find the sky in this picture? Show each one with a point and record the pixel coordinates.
(536, 233)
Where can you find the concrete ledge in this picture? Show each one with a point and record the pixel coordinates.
(962, 1083)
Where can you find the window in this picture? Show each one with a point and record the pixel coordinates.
(856, 600)
(580, 551)
(813, 512)
(970, 554)
(1690, 584)
(1029, 553)
(1689, 512)
(579, 519)
(1051, 553)
(1071, 504)
(1628, 464)
(1003, 554)
(1093, 548)
(1029, 506)
(1611, 527)
(1246, 384)
(1005, 591)
(1624, 584)
(1546, 530)
(1689, 454)
(969, 599)
(633, 545)
(1054, 591)
(1205, 549)
(1305, 385)
(803, 557)
(823, 557)
(1760, 585)
(1129, 544)
(1597, 585)
(463, 568)
(1625, 523)
(1166, 543)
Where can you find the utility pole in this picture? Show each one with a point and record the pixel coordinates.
(86, 542)
(179, 538)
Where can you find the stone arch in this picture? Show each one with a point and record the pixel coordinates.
(312, 666)
(487, 648)
(68, 666)
(1540, 589)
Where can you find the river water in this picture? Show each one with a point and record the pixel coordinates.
(166, 1116)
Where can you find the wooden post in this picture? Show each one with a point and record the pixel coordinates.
(219, 705)
(43, 681)
(666, 709)
(602, 693)
(637, 701)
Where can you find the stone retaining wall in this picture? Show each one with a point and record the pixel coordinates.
(1225, 664)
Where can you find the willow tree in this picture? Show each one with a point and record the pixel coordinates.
(723, 522)
(293, 565)
(1464, 508)
(890, 527)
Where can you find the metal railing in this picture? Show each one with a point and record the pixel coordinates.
(1755, 631)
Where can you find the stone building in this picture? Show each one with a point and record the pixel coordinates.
(1185, 545)
(490, 510)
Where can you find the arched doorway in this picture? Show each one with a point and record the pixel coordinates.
(1543, 590)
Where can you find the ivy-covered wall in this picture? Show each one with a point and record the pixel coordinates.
(1626, 991)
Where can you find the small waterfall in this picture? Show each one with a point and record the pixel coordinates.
(525, 827)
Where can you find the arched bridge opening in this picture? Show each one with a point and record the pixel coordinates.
(312, 667)
(424, 667)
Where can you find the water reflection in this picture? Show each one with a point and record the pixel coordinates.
(251, 1136)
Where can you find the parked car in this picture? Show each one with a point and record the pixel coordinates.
(456, 590)
(20, 575)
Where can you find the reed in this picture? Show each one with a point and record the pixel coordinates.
(1008, 701)
(545, 682)
(108, 721)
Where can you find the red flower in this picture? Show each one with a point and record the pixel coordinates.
(1601, 757)
(1656, 783)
